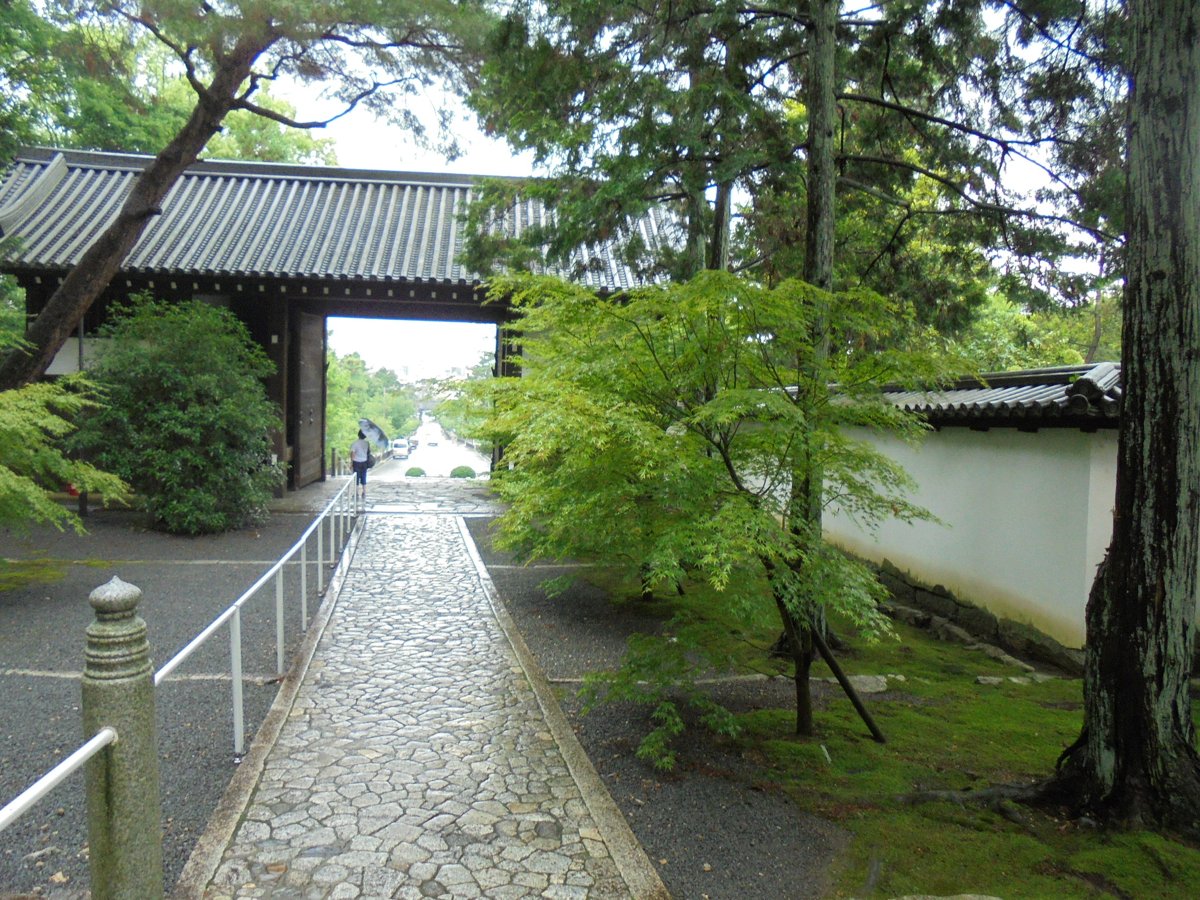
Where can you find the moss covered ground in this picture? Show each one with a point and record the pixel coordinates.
(945, 732)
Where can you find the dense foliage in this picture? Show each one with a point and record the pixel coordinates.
(1003, 336)
(701, 109)
(462, 409)
(355, 392)
(35, 424)
(660, 432)
(186, 419)
(72, 81)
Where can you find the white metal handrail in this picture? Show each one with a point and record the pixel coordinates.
(301, 545)
(339, 513)
(56, 776)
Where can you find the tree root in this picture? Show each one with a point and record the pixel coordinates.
(991, 797)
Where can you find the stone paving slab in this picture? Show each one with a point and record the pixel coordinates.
(416, 760)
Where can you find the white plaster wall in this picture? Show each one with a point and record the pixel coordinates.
(1102, 499)
(66, 362)
(1025, 516)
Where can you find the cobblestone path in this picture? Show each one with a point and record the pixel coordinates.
(416, 761)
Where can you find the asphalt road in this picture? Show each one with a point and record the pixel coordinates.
(438, 454)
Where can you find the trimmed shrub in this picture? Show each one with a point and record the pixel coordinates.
(187, 421)
(462, 472)
(414, 472)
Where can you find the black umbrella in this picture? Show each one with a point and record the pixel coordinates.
(373, 433)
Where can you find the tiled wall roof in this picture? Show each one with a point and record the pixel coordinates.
(1073, 396)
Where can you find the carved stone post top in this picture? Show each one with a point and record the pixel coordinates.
(115, 597)
(116, 647)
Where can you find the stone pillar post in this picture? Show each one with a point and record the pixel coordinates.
(124, 814)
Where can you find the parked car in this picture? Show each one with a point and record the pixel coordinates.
(400, 448)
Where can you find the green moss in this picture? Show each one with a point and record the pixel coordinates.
(19, 573)
(945, 731)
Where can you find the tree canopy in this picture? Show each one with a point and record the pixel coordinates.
(106, 85)
(698, 106)
(660, 432)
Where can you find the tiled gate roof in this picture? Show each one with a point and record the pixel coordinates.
(267, 220)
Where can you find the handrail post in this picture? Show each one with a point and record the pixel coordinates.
(235, 672)
(122, 786)
(304, 586)
(279, 636)
(332, 519)
(320, 556)
(336, 513)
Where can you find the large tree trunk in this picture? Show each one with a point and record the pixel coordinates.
(1135, 761)
(805, 502)
(101, 262)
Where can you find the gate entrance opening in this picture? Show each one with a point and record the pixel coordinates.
(284, 247)
(404, 376)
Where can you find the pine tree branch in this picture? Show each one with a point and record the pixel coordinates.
(1045, 35)
(351, 104)
(1006, 143)
(984, 206)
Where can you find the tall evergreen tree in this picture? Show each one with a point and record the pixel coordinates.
(698, 106)
(1136, 761)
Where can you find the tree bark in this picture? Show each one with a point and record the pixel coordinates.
(1135, 761)
(821, 215)
(101, 262)
(805, 501)
(718, 254)
(822, 123)
(799, 642)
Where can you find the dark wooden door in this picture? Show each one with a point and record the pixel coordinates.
(308, 451)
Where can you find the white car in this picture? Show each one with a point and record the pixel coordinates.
(400, 448)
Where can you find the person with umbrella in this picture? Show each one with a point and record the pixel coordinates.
(360, 457)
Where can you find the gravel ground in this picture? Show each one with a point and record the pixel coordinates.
(186, 582)
(715, 827)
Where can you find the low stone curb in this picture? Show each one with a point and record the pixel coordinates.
(635, 867)
(954, 619)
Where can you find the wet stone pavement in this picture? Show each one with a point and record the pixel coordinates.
(416, 760)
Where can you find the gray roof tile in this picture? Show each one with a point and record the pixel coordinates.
(269, 220)
(1085, 396)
